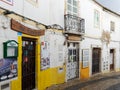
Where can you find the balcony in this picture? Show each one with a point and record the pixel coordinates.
(74, 25)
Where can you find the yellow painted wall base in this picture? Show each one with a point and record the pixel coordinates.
(50, 77)
(117, 69)
(84, 72)
(106, 71)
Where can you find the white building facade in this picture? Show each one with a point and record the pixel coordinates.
(101, 37)
(55, 41)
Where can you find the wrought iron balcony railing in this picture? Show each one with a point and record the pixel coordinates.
(74, 24)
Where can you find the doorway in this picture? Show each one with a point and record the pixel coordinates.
(112, 59)
(73, 61)
(28, 63)
(96, 56)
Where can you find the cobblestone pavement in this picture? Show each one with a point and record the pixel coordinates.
(109, 81)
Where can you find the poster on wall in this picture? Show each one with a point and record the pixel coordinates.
(8, 69)
(45, 58)
(10, 2)
(85, 59)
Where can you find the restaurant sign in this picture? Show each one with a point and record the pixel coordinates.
(26, 30)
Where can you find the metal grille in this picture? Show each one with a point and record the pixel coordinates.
(28, 64)
(73, 61)
(74, 24)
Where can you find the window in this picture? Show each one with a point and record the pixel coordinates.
(112, 26)
(85, 58)
(96, 18)
(72, 7)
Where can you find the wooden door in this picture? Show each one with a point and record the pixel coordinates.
(111, 59)
(28, 64)
(96, 56)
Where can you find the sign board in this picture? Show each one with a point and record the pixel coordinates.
(10, 49)
(8, 69)
(16, 26)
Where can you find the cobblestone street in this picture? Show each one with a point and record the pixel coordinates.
(109, 81)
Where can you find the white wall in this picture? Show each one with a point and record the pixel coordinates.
(46, 12)
(56, 47)
(6, 34)
(93, 35)
(87, 8)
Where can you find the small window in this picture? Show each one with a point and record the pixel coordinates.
(96, 18)
(72, 7)
(112, 26)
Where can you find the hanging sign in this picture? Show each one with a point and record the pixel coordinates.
(26, 30)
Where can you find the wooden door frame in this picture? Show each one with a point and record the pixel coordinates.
(78, 58)
(114, 50)
(37, 46)
(99, 61)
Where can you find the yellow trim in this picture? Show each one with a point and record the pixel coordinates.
(50, 77)
(117, 69)
(16, 84)
(44, 78)
(84, 72)
(28, 36)
(107, 71)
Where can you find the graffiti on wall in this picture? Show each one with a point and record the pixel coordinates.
(8, 69)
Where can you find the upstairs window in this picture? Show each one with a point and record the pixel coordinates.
(112, 26)
(96, 19)
(72, 7)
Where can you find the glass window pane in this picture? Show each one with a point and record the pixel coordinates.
(70, 52)
(69, 1)
(74, 52)
(75, 3)
(69, 8)
(74, 58)
(74, 9)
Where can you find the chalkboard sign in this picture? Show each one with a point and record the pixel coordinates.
(10, 49)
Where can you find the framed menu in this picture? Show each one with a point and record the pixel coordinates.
(10, 49)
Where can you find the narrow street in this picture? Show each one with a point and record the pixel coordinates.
(110, 81)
